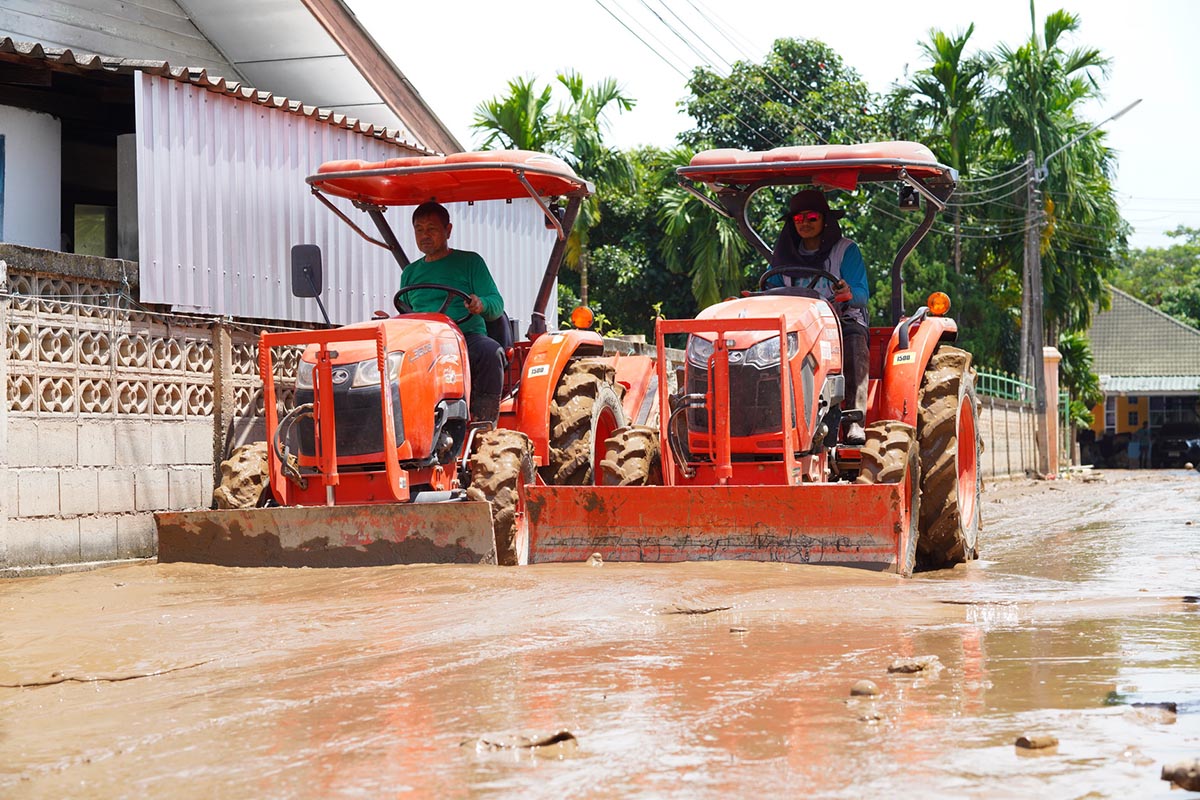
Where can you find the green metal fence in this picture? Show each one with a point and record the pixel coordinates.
(1002, 385)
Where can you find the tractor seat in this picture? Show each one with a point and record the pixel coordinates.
(500, 330)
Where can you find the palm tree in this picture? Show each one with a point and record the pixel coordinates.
(947, 96)
(715, 263)
(574, 132)
(1044, 84)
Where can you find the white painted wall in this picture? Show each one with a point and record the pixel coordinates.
(32, 178)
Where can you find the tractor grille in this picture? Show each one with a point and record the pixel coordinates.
(754, 402)
(358, 419)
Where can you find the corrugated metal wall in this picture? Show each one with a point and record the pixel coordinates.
(222, 197)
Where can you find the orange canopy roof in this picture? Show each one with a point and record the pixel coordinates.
(485, 175)
(836, 166)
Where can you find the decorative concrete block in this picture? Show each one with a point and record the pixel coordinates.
(206, 488)
(98, 538)
(9, 479)
(57, 443)
(167, 443)
(116, 491)
(198, 442)
(136, 536)
(37, 542)
(77, 492)
(150, 489)
(37, 492)
(22, 442)
(97, 444)
(132, 443)
(185, 488)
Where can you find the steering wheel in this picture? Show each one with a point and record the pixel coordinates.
(451, 293)
(798, 271)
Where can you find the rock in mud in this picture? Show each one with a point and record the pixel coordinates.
(595, 560)
(864, 688)
(1184, 774)
(916, 664)
(1036, 741)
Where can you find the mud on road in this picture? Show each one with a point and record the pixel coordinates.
(678, 680)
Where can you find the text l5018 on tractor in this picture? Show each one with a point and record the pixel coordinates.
(748, 463)
(374, 458)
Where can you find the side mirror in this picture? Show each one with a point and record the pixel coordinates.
(909, 199)
(306, 270)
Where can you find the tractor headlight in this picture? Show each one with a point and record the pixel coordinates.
(766, 352)
(699, 350)
(304, 375)
(366, 373)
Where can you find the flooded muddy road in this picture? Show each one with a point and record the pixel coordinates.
(687, 680)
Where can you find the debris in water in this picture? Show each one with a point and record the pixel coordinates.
(563, 741)
(916, 664)
(864, 688)
(1037, 741)
(1184, 774)
(1191, 598)
(1166, 706)
(685, 610)
(595, 560)
(738, 630)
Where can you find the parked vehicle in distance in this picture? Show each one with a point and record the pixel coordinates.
(1175, 444)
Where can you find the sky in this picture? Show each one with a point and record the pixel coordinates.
(458, 53)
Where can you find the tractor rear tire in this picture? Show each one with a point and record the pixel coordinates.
(244, 479)
(584, 412)
(632, 458)
(891, 455)
(951, 484)
(501, 466)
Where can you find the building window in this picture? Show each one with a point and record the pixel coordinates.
(1110, 413)
(1133, 419)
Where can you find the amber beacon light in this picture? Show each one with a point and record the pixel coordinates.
(582, 317)
(938, 304)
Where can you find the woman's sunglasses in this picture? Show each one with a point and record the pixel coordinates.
(807, 216)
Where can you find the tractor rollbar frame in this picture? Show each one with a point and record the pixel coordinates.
(734, 201)
(562, 227)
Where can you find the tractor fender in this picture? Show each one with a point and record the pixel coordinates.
(548, 357)
(903, 369)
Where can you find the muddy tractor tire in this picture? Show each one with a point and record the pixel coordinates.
(951, 484)
(500, 466)
(244, 479)
(632, 457)
(891, 455)
(583, 414)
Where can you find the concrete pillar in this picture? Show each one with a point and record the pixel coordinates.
(1048, 463)
(5, 511)
(223, 395)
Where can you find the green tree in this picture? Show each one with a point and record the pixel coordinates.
(574, 132)
(1042, 86)
(1166, 277)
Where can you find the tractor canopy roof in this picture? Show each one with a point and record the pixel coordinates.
(486, 175)
(832, 166)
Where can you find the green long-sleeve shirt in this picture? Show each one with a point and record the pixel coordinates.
(463, 270)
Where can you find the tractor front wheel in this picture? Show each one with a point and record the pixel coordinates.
(584, 413)
(632, 457)
(948, 432)
(501, 466)
(890, 455)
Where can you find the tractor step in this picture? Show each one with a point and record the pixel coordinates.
(330, 536)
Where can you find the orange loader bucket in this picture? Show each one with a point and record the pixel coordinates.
(859, 525)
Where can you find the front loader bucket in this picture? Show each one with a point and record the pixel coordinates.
(855, 525)
(330, 536)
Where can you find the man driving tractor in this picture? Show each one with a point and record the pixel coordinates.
(814, 239)
(466, 271)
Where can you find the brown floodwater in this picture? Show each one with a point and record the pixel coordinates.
(676, 680)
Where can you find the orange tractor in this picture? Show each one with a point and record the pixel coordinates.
(375, 459)
(748, 462)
